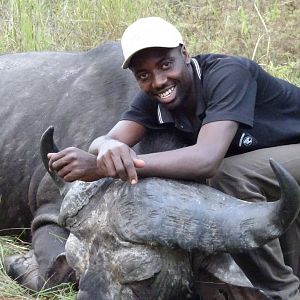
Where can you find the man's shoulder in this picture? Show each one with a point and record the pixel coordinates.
(211, 57)
(212, 62)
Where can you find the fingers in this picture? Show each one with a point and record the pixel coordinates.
(58, 160)
(130, 170)
(74, 164)
(138, 163)
(70, 174)
(120, 162)
(61, 164)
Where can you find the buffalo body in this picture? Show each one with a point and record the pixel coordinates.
(82, 93)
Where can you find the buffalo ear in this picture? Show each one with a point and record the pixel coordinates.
(60, 272)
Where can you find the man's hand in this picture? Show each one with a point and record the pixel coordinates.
(74, 164)
(116, 159)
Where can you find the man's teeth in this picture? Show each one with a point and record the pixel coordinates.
(167, 93)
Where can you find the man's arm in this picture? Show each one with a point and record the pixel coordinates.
(195, 162)
(115, 158)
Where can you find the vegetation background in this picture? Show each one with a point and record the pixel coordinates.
(267, 31)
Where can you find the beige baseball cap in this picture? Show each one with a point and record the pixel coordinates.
(147, 33)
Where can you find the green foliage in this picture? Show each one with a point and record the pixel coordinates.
(286, 71)
(10, 289)
(244, 21)
(273, 13)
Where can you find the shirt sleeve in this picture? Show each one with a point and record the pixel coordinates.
(142, 110)
(230, 91)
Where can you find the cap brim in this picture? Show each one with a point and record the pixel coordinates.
(126, 62)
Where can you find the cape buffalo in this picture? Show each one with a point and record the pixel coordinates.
(138, 242)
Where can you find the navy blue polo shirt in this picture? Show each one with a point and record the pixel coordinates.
(230, 88)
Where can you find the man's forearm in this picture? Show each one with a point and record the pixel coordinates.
(186, 163)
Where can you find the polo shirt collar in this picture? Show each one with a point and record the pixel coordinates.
(198, 86)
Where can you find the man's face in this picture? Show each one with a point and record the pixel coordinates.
(164, 73)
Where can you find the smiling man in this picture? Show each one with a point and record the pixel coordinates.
(233, 116)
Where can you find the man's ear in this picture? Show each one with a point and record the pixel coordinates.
(185, 55)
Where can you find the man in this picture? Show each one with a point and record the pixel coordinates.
(234, 117)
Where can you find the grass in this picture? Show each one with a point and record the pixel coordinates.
(266, 31)
(11, 290)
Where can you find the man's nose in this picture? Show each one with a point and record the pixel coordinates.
(159, 80)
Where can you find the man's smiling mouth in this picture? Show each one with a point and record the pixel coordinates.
(167, 93)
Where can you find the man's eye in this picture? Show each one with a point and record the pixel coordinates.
(143, 77)
(166, 65)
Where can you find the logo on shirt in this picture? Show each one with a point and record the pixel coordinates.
(247, 140)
